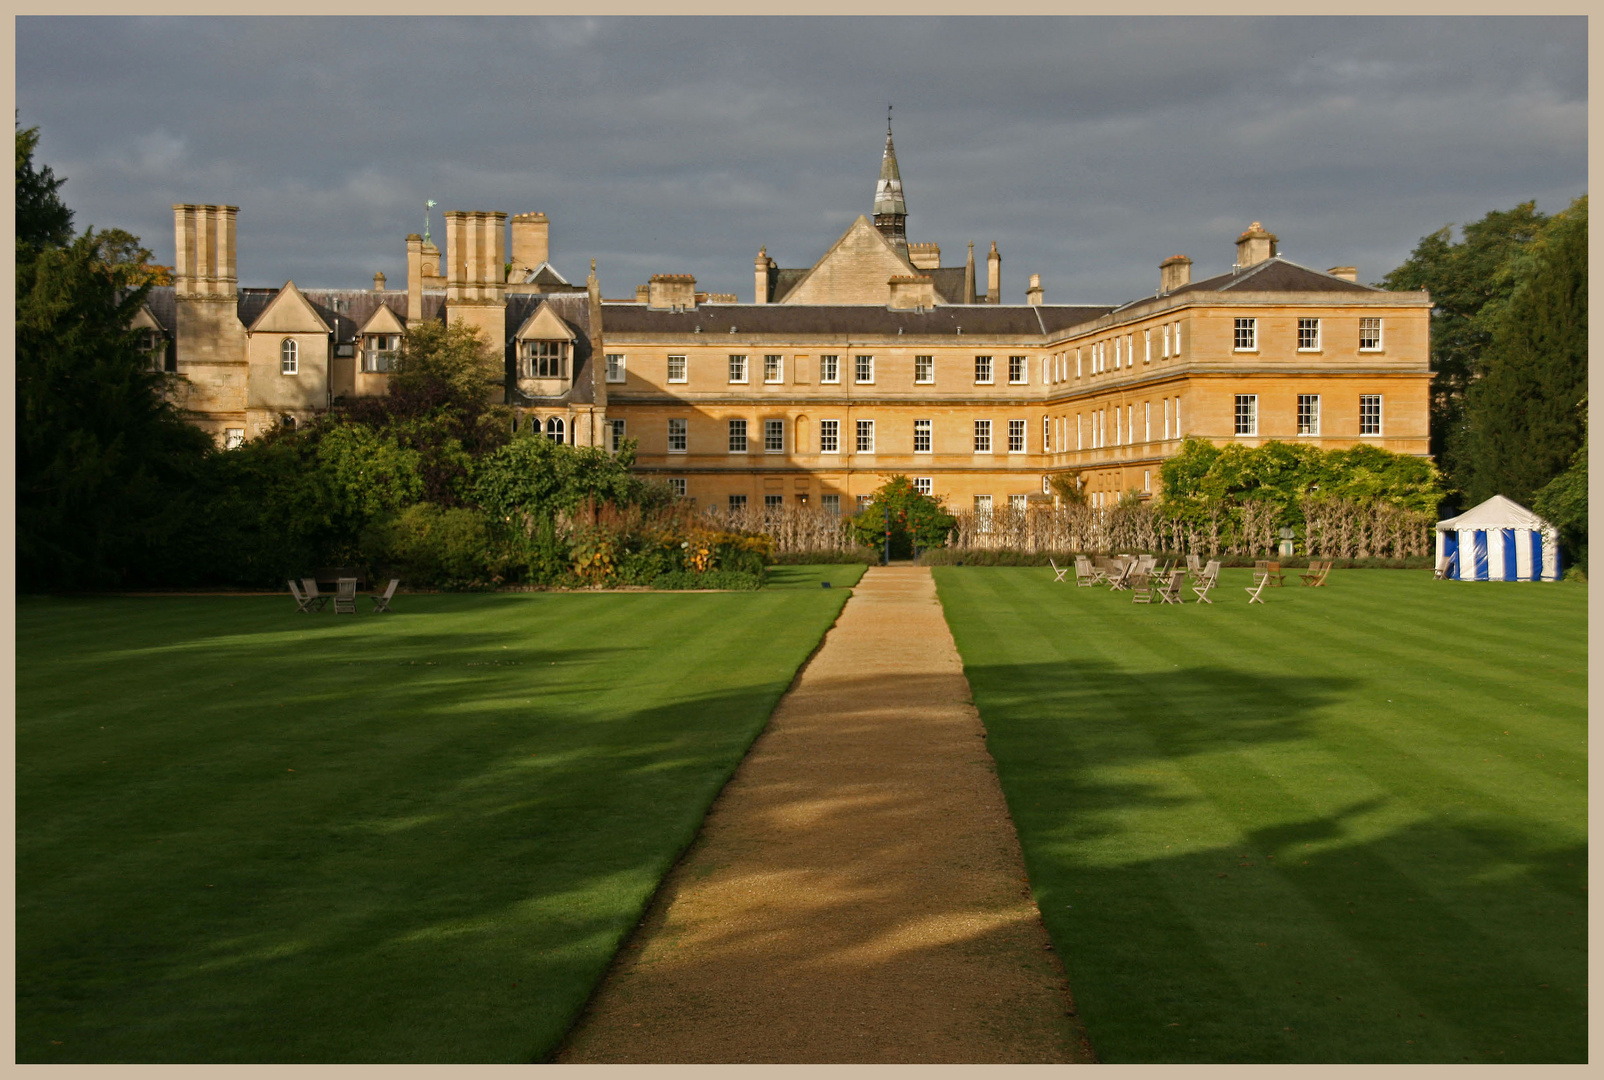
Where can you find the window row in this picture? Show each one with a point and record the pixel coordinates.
(1246, 414)
(741, 368)
(1245, 335)
(1115, 352)
(741, 437)
(1092, 429)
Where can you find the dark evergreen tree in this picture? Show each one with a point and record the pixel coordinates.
(1470, 283)
(103, 461)
(43, 220)
(1523, 421)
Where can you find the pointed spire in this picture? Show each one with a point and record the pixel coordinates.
(888, 193)
(969, 275)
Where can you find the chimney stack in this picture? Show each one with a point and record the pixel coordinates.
(204, 251)
(672, 291)
(760, 276)
(1254, 246)
(1033, 294)
(993, 276)
(378, 281)
(969, 275)
(530, 241)
(414, 277)
(1174, 272)
(1346, 273)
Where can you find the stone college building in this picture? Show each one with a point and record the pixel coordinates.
(874, 360)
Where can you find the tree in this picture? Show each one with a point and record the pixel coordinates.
(43, 220)
(915, 519)
(1563, 502)
(1522, 420)
(119, 248)
(1470, 283)
(103, 462)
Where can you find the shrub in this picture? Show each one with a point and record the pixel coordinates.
(913, 519)
(426, 544)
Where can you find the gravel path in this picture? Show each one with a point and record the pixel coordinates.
(857, 892)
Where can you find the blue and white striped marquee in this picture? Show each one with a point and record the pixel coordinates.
(1498, 540)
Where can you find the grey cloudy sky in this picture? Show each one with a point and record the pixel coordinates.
(1089, 149)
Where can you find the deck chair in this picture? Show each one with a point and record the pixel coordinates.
(313, 597)
(1058, 571)
(1205, 581)
(1145, 564)
(345, 597)
(382, 603)
(1141, 586)
(303, 602)
(1254, 592)
(1194, 565)
(1317, 573)
(1086, 575)
(1272, 570)
(1171, 592)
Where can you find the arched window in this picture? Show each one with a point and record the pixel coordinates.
(289, 362)
(554, 428)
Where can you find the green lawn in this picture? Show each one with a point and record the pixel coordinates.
(1349, 825)
(245, 834)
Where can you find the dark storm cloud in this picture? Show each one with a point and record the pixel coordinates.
(1088, 149)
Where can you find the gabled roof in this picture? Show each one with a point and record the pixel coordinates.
(861, 243)
(289, 312)
(1276, 274)
(546, 274)
(384, 320)
(544, 325)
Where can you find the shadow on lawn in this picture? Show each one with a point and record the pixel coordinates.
(1374, 925)
(364, 867)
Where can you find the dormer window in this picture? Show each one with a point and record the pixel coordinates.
(378, 350)
(543, 360)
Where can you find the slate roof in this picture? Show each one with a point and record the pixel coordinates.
(163, 304)
(572, 308)
(1276, 275)
(948, 282)
(985, 319)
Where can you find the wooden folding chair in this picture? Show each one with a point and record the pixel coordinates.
(1141, 586)
(1206, 580)
(316, 599)
(382, 603)
(1086, 575)
(303, 602)
(1194, 565)
(1118, 583)
(1058, 572)
(1317, 573)
(1170, 592)
(1254, 596)
(345, 596)
(1272, 570)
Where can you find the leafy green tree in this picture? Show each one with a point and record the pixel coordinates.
(43, 220)
(120, 248)
(531, 478)
(1563, 502)
(1523, 424)
(1470, 282)
(914, 518)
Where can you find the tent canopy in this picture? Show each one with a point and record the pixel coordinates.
(1496, 513)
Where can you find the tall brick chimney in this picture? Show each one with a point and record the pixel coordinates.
(1174, 272)
(1254, 246)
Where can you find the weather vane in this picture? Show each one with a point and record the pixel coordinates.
(428, 204)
